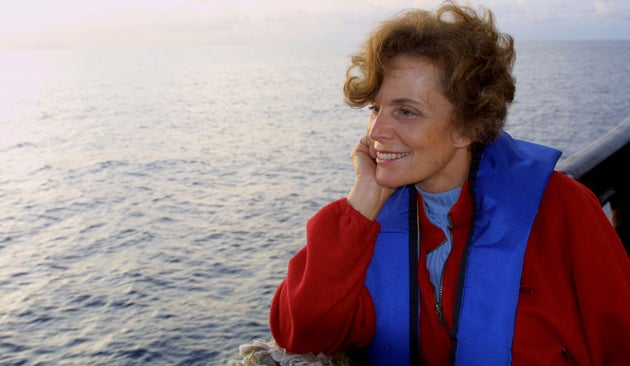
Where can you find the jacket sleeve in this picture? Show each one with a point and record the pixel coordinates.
(601, 274)
(323, 304)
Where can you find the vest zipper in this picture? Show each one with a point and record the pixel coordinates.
(439, 308)
(438, 304)
(441, 319)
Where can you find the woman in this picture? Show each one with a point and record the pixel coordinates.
(456, 244)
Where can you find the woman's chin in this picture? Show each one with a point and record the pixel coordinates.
(389, 182)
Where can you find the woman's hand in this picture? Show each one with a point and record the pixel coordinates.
(366, 196)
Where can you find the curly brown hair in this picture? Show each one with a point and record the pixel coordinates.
(475, 59)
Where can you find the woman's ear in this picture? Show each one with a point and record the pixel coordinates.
(461, 140)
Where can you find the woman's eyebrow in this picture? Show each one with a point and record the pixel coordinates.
(401, 101)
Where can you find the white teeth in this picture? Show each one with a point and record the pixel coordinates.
(389, 156)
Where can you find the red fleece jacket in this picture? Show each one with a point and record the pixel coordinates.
(574, 305)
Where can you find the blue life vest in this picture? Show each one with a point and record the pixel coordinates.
(508, 182)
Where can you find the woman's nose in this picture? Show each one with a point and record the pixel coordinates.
(379, 127)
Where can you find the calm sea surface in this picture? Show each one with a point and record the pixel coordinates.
(150, 199)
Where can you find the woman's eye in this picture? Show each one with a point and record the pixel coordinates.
(406, 112)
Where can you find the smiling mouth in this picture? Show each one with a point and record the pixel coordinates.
(391, 156)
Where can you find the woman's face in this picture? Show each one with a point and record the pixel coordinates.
(412, 131)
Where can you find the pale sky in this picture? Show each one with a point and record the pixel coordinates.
(146, 23)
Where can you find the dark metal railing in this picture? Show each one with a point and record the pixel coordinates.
(603, 167)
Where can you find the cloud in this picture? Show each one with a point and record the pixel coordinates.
(82, 23)
(602, 8)
(66, 22)
(117, 22)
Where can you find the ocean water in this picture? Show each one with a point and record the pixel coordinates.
(151, 198)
